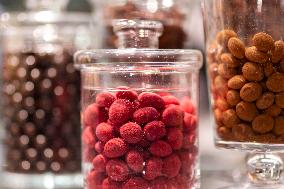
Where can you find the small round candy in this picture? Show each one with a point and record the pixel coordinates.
(131, 132)
(155, 130)
(104, 132)
(105, 99)
(114, 148)
(160, 148)
(153, 168)
(117, 170)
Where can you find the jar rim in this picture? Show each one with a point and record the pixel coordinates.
(188, 59)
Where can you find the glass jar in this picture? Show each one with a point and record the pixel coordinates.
(139, 112)
(41, 91)
(246, 78)
(174, 14)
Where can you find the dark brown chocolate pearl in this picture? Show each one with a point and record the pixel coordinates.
(246, 110)
(279, 125)
(251, 92)
(265, 100)
(230, 118)
(273, 110)
(252, 71)
(233, 97)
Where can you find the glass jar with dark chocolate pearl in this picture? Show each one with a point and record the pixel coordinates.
(174, 14)
(41, 93)
(139, 112)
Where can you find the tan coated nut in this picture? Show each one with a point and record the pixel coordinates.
(236, 47)
(220, 84)
(230, 118)
(279, 125)
(225, 133)
(275, 82)
(265, 138)
(224, 36)
(265, 100)
(279, 99)
(263, 123)
(226, 72)
(229, 60)
(273, 110)
(242, 132)
(213, 70)
(252, 71)
(233, 97)
(251, 91)
(268, 69)
(237, 82)
(263, 42)
(218, 116)
(277, 52)
(222, 104)
(246, 111)
(254, 55)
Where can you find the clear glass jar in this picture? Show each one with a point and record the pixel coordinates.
(246, 76)
(41, 91)
(174, 14)
(140, 112)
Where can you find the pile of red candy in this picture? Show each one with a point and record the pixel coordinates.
(139, 141)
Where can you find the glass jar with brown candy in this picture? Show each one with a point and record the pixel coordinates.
(174, 14)
(245, 61)
(40, 94)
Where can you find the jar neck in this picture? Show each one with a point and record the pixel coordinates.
(140, 38)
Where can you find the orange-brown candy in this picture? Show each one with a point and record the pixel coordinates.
(226, 71)
(224, 36)
(263, 42)
(218, 116)
(263, 123)
(220, 84)
(252, 71)
(222, 104)
(275, 82)
(242, 132)
(264, 138)
(277, 52)
(236, 47)
(279, 126)
(230, 118)
(246, 111)
(251, 91)
(268, 69)
(265, 100)
(279, 99)
(254, 55)
(229, 60)
(273, 110)
(213, 70)
(225, 133)
(237, 82)
(233, 97)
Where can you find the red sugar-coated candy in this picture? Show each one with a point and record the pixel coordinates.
(88, 154)
(94, 179)
(159, 183)
(170, 100)
(171, 166)
(155, 130)
(136, 105)
(179, 182)
(144, 143)
(99, 163)
(175, 138)
(99, 147)
(88, 137)
(148, 99)
(126, 93)
(114, 148)
(153, 168)
(131, 132)
(189, 122)
(136, 183)
(145, 115)
(117, 170)
(120, 111)
(187, 161)
(104, 132)
(188, 140)
(187, 106)
(135, 160)
(160, 148)
(93, 115)
(173, 116)
(105, 99)
(110, 184)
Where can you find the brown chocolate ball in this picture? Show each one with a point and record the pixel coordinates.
(273, 110)
(225, 133)
(242, 132)
(222, 104)
(277, 51)
(265, 100)
(254, 55)
(252, 71)
(263, 123)
(220, 84)
(263, 41)
(237, 82)
(230, 60)
(246, 111)
(275, 82)
(236, 47)
(279, 125)
(251, 91)
(224, 36)
(230, 118)
(233, 97)
(226, 72)
(279, 99)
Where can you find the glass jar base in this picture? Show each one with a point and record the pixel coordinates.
(43, 181)
(250, 186)
(249, 146)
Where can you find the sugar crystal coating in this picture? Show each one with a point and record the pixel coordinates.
(115, 147)
(148, 99)
(131, 132)
(160, 148)
(117, 170)
(155, 130)
(171, 166)
(105, 99)
(145, 115)
(120, 111)
(153, 168)
(104, 132)
(135, 160)
(135, 183)
(173, 116)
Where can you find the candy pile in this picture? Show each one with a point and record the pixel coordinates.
(248, 87)
(139, 141)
